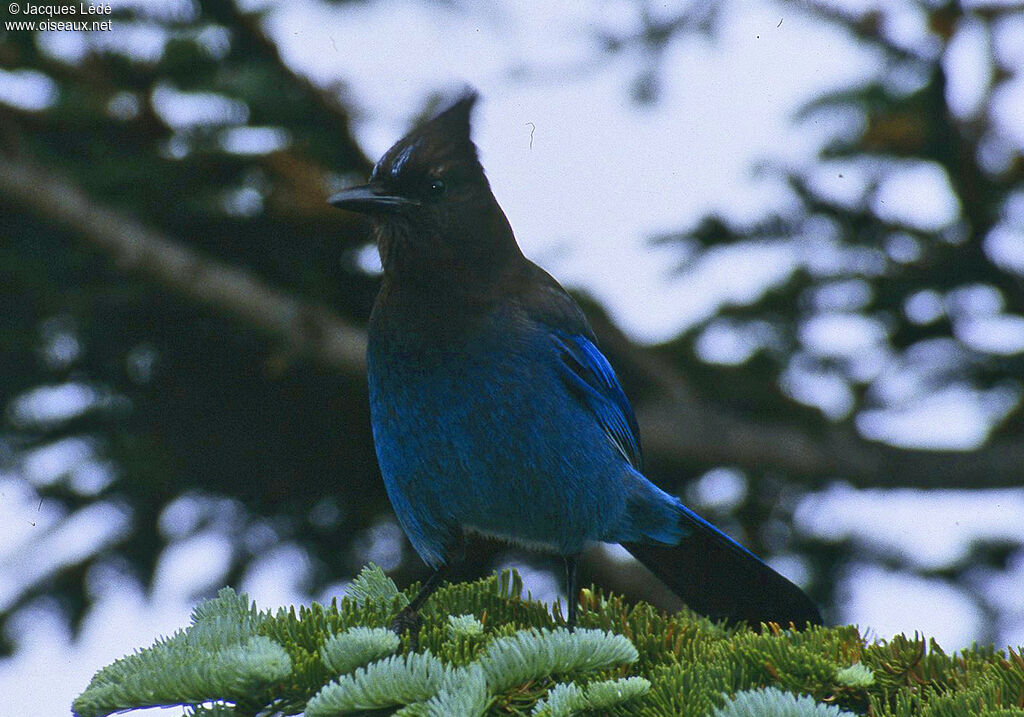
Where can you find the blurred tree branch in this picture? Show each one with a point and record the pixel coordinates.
(679, 430)
(686, 433)
(304, 328)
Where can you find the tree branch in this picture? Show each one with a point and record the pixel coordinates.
(679, 431)
(688, 435)
(304, 328)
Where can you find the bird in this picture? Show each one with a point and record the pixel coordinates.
(493, 409)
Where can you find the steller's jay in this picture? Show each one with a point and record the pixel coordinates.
(493, 409)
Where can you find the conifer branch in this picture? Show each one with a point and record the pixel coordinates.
(234, 660)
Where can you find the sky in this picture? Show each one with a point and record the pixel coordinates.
(570, 159)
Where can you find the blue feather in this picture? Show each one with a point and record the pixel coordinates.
(592, 378)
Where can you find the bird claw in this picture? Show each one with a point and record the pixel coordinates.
(408, 620)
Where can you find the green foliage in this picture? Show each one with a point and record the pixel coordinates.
(569, 699)
(486, 650)
(463, 693)
(372, 584)
(531, 654)
(464, 626)
(397, 680)
(348, 650)
(856, 675)
(219, 657)
(773, 702)
(216, 710)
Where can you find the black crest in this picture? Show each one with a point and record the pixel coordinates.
(440, 146)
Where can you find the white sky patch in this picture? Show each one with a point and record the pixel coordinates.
(1002, 335)
(49, 463)
(843, 295)
(1008, 36)
(168, 10)
(903, 248)
(953, 418)
(868, 365)
(141, 40)
(278, 576)
(974, 300)
(837, 334)
(826, 390)
(930, 529)
(192, 566)
(91, 477)
(921, 368)
(885, 603)
(541, 584)
(181, 110)
(906, 25)
(792, 567)
(1004, 245)
(52, 404)
(189, 512)
(720, 489)
(24, 517)
(254, 140)
(615, 552)
(27, 89)
(181, 516)
(968, 67)
(243, 202)
(1011, 633)
(996, 153)
(845, 182)
(367, 258)
(917, 195)
(727, 275)
(726, 342)
(1003, 586)
(1002, 589)
(924, 307)
(215, 40)
(69, 47)
(42, 637)
(72, 540)
(382, 544)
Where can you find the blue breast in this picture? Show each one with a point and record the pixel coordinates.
(480, 431)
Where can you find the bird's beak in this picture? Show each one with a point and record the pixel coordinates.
(369, 199)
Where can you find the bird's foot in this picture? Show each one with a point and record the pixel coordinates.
(574, 610)
(408, 620)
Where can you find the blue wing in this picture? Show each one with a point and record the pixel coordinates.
(592, 378)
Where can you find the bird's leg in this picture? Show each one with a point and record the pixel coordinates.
(572, 587)
(408, 617)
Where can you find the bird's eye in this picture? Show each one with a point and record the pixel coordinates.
(438, 188)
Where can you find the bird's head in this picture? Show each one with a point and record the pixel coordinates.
(433, 214)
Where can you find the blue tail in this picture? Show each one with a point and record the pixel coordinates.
(716, 576)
